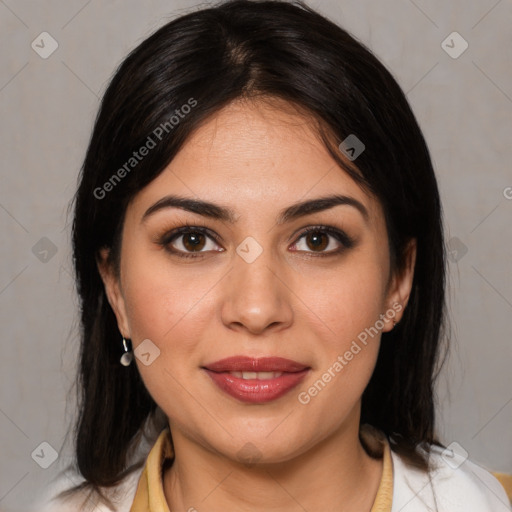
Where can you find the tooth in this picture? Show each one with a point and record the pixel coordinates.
(268, 375)
(256, 375)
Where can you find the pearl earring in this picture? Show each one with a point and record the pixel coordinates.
(127, 356)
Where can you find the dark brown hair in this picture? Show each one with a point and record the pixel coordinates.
(255, 49)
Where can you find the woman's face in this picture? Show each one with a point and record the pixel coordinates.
(255, 285)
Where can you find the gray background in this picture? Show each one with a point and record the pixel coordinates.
(47, 106)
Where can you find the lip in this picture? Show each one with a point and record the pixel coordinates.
(251, 364)
(256, 390)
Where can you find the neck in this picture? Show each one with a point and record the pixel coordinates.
(334, 474)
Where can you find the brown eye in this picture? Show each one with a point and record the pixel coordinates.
(317, 239)
(186, 241)
(193, 241)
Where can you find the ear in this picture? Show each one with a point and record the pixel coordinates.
(113, 291)
(400, 287)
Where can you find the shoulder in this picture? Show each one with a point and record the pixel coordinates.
(82, 501)
(455, 484)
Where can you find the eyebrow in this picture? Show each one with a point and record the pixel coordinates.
(218, 212)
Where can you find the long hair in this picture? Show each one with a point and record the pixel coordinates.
(206, 59)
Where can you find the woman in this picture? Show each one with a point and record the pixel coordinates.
(259, 254)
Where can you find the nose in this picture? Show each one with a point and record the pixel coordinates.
(257, 295)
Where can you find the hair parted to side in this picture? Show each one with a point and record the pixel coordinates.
(263, 50)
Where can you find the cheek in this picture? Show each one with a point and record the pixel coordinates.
(344, 302)
(346, 310)
(169, 308)
(343, 307)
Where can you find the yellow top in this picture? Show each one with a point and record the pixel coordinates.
(150, 497)
(506, 481)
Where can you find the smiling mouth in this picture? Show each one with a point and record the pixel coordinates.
(252, 380)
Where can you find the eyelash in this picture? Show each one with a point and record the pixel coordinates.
(165, 241)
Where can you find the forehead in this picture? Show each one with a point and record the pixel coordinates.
(256, 156)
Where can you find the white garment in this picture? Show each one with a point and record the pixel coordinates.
(125, 490)
(459, 486)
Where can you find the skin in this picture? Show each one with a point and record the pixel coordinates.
(258, 158)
